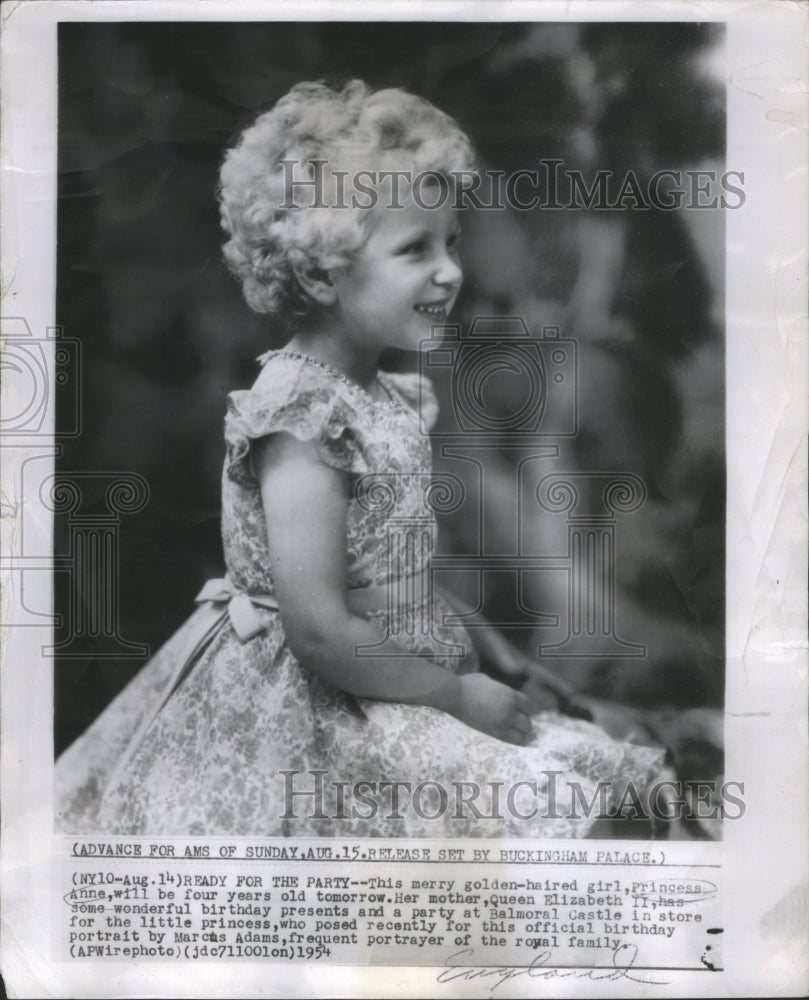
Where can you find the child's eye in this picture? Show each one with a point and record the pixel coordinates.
(454, 240)
(416, 247)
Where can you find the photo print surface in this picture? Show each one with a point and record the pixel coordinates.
(578, 457)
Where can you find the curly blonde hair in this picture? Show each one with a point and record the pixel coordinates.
(341, 134)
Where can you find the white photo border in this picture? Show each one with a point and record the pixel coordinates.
(765, 856)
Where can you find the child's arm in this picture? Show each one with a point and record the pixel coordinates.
(489, 642)
(306, 505)
(511, 661)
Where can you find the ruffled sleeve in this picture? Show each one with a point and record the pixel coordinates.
(316, 412)
(418, 393)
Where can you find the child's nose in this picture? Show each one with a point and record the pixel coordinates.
(448, 271)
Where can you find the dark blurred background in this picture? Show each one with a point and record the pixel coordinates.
(145, 114)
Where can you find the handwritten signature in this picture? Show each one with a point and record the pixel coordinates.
(624, 957)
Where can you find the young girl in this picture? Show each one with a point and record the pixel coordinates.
(318, 688)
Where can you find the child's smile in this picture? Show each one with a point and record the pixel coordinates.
(404, 280)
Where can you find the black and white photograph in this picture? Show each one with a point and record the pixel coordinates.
(487, 308)
(402, 507)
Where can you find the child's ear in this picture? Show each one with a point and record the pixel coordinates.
(316, 282)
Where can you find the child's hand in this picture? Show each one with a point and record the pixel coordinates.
(494, 708)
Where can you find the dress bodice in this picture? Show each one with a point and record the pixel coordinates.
(383, 446)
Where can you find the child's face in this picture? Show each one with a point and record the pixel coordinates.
(405, 279)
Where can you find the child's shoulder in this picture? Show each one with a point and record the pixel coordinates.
(310, 401)
(291, 382)
(297, 398)
(292, 392)
(284, 375)
(290, 379)
(416, 391)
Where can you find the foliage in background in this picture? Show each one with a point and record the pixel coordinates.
(145, 112)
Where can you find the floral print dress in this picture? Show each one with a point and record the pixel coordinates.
(219, 728)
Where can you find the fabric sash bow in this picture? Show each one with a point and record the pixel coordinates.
(241, 607)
